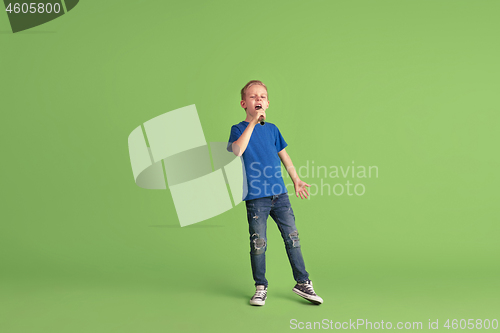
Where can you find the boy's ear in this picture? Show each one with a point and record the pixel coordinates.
(243, 104)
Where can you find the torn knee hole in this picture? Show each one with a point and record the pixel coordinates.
(294, 237)
(259, 243)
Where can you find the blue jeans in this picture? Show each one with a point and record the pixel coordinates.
(281, 211)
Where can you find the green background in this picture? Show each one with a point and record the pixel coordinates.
(409, 86)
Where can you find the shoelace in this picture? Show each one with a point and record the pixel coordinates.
(260, 293)
(309, 287)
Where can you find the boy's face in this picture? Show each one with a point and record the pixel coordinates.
(254, 96)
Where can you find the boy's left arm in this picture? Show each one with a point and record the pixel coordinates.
(300, 186)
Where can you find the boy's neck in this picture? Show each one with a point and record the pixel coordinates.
(248, 118)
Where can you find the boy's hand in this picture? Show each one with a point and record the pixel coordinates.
(300, 189)
(258, 114)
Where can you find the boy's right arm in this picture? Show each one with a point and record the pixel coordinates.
(241, 144)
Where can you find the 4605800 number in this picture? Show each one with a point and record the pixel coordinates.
(471, 324)
(33, 8)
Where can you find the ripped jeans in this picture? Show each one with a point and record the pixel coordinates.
(278, 206)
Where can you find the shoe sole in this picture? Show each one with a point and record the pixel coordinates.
(316, 301)
(257, 303)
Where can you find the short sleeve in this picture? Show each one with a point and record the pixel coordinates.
(235, 135)
(279, 141)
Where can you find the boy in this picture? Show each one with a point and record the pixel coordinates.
(262, 147)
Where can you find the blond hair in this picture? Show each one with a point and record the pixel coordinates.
(248, 85)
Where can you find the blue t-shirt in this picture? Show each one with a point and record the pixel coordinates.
(262, 164)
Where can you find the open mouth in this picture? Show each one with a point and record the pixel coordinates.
(258, 107)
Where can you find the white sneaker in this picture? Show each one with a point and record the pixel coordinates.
(306, 291)
(260, 296)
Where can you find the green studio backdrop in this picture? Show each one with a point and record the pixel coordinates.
(409, 88)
